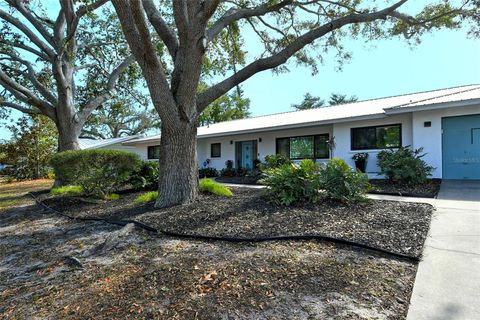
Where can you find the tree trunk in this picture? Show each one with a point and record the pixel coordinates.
(178, 164)
(67, 138)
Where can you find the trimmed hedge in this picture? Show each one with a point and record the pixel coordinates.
(98, 172)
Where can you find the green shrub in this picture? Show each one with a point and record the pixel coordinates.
(274, 161)
(291, 183)
(146, 176)
(146, 197)
(98, 172)
(210, 186)
(67, 191)
(340, 182)
(404, 166)
(207, 173)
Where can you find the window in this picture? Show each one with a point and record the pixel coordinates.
(378, 137)
(304, 147)
(215, 150)
(153, 152)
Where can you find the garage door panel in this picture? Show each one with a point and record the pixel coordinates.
(461, 147)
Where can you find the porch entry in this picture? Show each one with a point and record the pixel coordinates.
(245, 153)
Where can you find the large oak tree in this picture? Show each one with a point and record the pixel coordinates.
(302, 30)
(62, 60)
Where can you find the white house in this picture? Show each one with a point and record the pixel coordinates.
(446, 123)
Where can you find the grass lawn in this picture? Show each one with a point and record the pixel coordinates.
(130, 273)
(14, 194)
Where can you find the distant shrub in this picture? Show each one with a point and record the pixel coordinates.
(207, 173)
(145, 177)
(98, 172)
(340, 182)
(291, 183)
(210, 186)
(274, 161)
(67, 191)
(404, 165)
(146, 197)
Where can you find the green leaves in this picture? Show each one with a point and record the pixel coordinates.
(404, 165)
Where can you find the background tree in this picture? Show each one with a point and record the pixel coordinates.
(192, 32)
(309, 102)
(338, 98)
(33, 143)
(228, 107)
(121, 117)
(63, 62)
(312, 102)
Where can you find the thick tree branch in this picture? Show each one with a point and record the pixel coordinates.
(22, 46)
(163, 30)
(94, 103)
(233, 15)
(73, 19)
(25, 95)
(31, 75)
(18, 107)
(214, 92)
(145, 54)
(28, 33)
(36, 23)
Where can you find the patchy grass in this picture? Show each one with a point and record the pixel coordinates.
(67, 191)
(112, 196)
(210, 186)
(13, 194)
(146, 197)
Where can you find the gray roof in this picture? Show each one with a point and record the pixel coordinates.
(95, 144)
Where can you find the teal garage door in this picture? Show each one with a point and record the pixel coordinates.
(461, 147)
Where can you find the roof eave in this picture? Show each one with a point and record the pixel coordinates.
(434, 106)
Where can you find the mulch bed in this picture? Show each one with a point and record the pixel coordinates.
(130, 273)
(396, 226)
(427, 190)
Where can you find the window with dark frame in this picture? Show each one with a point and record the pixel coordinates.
(153, 152)
(215, 150)
(376, 137)
(304, 147)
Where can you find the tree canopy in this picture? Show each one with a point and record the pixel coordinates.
(193, 36)
(63, 60)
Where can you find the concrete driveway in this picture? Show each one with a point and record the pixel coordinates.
(447, 284)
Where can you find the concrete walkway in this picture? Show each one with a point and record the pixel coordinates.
(447, 285)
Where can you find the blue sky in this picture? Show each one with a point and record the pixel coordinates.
(389, 67)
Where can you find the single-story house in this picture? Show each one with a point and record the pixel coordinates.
(445, 123)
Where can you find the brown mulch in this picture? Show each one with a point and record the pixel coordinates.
(396, 226)
(427, 190)
(130, 273)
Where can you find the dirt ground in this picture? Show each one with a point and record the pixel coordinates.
(52, 267)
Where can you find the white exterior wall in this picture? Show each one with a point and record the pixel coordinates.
(343, 148)
(430, 138)
(266, 147)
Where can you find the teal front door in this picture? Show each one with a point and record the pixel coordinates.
(461, 147)
(247, 155)
(246, 152)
